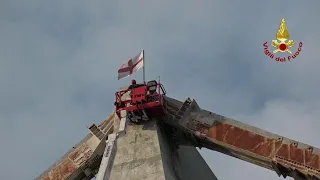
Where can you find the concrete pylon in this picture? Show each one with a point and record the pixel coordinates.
(145, 153)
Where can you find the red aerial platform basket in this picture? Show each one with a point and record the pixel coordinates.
(141, 102)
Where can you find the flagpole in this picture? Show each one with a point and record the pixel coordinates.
(144, 61)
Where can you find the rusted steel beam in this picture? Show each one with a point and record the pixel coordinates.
(61, 172)
(69, 164)
(81, 155)
(285, 156)
(278, 150)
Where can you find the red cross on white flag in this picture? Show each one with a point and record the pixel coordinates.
(131, 66)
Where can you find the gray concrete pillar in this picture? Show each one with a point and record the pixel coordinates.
(146, 153)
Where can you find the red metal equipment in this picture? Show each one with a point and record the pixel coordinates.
(143, 103)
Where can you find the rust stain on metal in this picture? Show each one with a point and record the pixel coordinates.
(299, 157)
(69, 165)
(81, 154)
(61, 172)
(77, 157)
(312, 160)
(274, 149)
(241, 138)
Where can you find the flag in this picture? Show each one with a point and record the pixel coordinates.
(131, 66)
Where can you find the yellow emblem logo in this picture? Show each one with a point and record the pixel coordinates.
(283, 36)
(282, 44)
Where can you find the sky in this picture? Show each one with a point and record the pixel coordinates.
(59, 62)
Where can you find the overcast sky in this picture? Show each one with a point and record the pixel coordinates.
(59, 61)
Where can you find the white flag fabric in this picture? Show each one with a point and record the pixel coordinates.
(131, 66)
